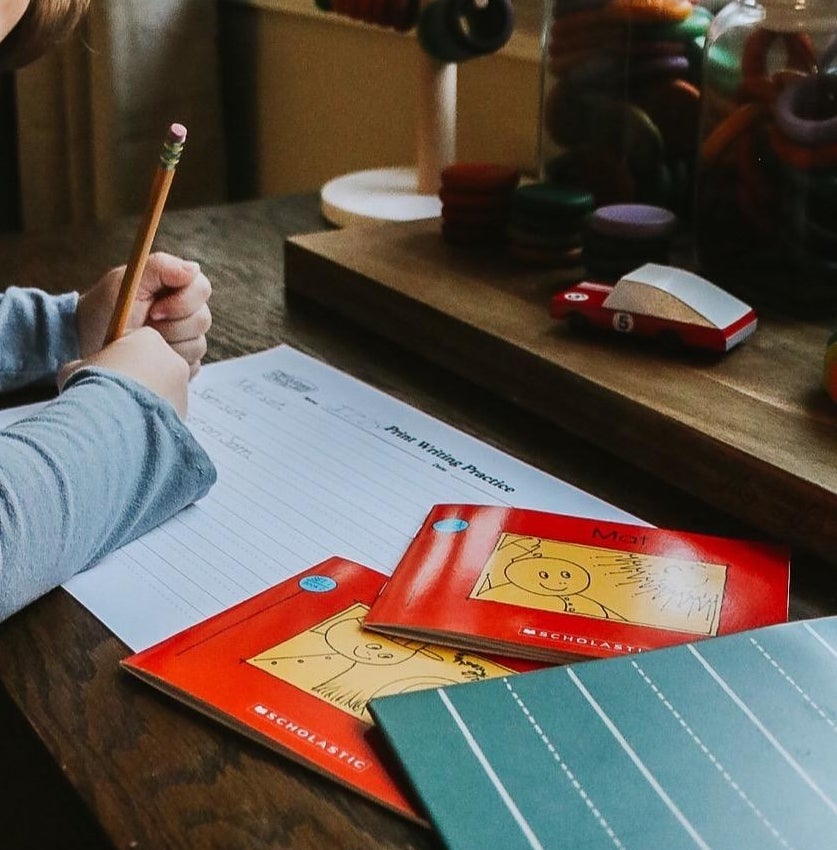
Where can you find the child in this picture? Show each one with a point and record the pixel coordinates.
(110, 457)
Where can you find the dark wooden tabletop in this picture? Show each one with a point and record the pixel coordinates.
(147, 772)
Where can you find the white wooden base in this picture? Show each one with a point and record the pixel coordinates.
(380, 195)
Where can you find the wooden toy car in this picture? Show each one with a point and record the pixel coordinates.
(674, 305)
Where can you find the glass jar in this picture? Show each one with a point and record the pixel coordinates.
(620, 98)
(765, 222)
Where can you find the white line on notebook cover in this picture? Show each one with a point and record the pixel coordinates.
(718, 764)
(525, 828)
(582, 792)
(764, 731)
(649, 777)
(820, 638)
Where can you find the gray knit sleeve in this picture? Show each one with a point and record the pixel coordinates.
(38, 335)
(100, 465)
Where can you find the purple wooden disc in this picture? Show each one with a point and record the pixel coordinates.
(633, 221)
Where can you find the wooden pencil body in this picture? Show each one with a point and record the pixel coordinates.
(139, 253)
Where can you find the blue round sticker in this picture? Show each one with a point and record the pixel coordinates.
(317, 584)
(451, 524)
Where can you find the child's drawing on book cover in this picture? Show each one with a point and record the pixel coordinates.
(652, 590)
(342, 664)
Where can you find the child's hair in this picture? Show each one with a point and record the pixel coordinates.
(44, 24)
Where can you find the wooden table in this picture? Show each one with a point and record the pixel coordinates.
(141, 771)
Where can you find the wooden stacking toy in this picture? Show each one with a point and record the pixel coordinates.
(476, 197)
(546, 225)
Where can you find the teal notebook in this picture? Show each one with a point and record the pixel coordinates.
(729, 743)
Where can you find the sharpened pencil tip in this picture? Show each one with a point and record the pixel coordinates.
(176, 134)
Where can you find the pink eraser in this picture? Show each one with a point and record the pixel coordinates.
(176, 134)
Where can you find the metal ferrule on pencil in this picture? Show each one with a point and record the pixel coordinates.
(170, 155)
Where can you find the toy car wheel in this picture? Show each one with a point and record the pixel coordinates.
(578, 322)
(671, 340)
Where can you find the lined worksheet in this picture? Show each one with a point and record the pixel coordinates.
(311, 463)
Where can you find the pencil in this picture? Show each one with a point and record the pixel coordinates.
(163, 175)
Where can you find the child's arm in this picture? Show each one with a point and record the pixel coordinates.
(102, 464)
(37, 335)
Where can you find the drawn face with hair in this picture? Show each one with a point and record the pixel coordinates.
(351, 641)
(548, 576)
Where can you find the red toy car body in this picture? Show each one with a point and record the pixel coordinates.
(660, 301)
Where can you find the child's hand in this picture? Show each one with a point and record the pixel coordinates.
(172, 298)
(144, 356)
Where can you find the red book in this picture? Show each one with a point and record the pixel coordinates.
(293, 668)
(555, 588)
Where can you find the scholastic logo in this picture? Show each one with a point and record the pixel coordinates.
(578, 640)
(313, 739)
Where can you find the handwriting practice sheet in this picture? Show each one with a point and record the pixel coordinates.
(311, 463)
